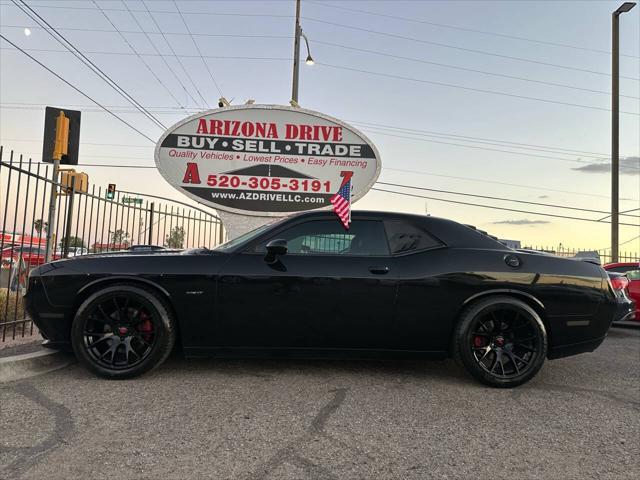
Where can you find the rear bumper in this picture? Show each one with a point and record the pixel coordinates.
(574, 348)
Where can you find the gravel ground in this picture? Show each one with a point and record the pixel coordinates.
(251, 419)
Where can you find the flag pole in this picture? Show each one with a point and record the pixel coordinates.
(350, 199)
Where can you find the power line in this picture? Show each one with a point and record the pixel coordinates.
(471, 89)
(206, 65)
(493, 207)
(584, 162)
(456, 67)
(128, 145)
(180, 34)
(488, 197)
(465, 29)
(86, 61)
(436, 198)
(494, 182)
(347, 47)
(418, 172)
(137, 54)
(184, 88)
(418, 137)
(519, 144)
(204, 102)
(470, 50)
(77, 89)
(95, 52)
(400, 129)
(217, 14)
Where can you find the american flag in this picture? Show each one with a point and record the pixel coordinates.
(342, 202)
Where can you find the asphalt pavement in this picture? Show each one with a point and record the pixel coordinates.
(278, 419)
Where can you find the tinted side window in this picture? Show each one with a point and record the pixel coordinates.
(328, 237)
(406, 237)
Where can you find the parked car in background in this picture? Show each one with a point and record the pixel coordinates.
(33, 256)
(73, 251)
(632, 272)
(626, 306)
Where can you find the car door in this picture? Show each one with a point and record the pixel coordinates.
(423, 303)
(334, 288)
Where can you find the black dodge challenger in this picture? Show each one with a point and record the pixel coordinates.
(304, 286)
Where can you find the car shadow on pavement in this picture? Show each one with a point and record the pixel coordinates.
(269, 368)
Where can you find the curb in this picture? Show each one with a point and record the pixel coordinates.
(17, 367)
(626, 324)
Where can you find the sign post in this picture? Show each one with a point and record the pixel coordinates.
(256, 162)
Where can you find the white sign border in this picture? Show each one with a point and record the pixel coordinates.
(357, 195)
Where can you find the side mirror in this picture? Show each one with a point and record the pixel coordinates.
(274, 249)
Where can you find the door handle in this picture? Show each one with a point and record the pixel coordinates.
(379, 270)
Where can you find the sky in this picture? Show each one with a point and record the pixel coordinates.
(502, 99)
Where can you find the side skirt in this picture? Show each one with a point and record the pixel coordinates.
(310, 353)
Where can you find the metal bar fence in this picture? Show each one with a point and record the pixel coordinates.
(603, 254)
(86, 222)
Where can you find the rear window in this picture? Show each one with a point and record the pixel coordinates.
(633, 272)
(406, 237)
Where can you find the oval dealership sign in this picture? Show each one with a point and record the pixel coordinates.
(266, 160)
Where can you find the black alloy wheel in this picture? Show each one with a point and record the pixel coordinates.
(123, 331)
(501, 341)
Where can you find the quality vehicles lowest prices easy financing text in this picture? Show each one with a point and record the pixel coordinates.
(304, 286)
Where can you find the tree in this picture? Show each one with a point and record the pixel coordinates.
(39, 225)
(73, 242)
(175, 239)
(120, 236)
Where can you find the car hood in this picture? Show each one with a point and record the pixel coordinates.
(135, 263)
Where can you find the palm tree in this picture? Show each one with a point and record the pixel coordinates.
(39, 225)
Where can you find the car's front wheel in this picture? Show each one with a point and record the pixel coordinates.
(501, 341)
(123, 331)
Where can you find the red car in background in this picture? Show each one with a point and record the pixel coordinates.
(33, 255)
(632, 271)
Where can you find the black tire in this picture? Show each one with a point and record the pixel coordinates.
(500, 332)
(123, 331)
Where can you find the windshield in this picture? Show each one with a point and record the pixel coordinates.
(247, 237)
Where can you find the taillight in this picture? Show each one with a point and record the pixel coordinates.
(620, 283)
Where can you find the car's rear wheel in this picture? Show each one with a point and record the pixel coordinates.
(501, 341)
(123, 331)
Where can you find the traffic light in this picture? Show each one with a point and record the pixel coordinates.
(61, 136)
(111, 191)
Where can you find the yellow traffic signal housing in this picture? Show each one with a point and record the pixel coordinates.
(62, 136)
(69, 176)
(61, 139)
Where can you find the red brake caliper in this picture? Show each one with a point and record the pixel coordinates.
(145, 327)
(478, 341)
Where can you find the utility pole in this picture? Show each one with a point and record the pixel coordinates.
(296, 54)
(615, 124)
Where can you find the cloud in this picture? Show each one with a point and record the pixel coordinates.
(522, 221)
(628, 166)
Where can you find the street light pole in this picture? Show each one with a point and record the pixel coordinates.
(615, 124)
(296, 55)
